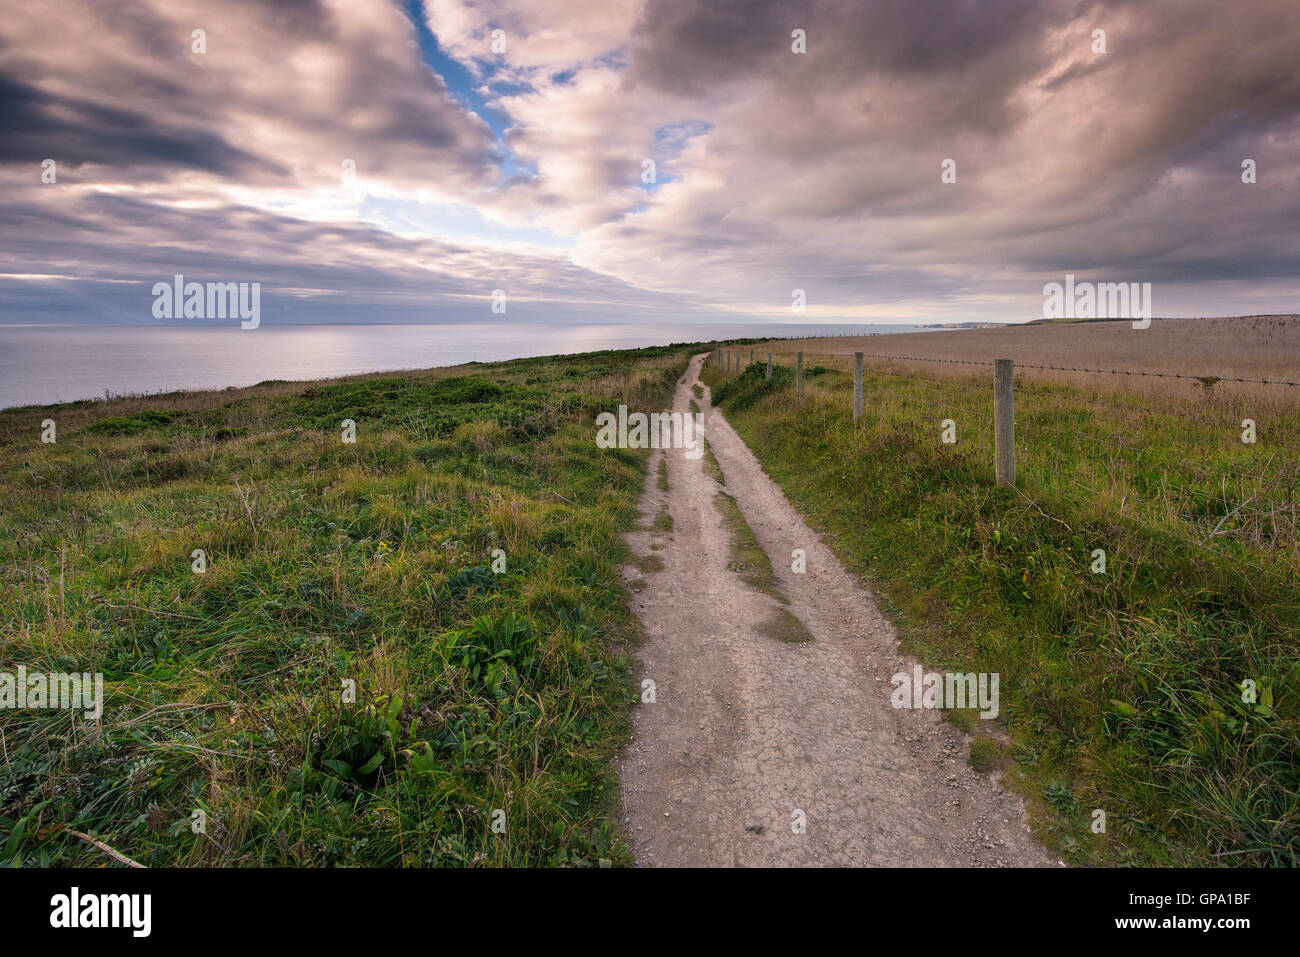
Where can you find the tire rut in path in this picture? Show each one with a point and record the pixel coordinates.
(746, 729)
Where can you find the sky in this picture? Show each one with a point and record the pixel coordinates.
(367, 160)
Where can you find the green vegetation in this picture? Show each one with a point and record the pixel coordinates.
(1120, 691)
(985, 753)
(745, 390)
(711, 466)
(477, 686)
(747, 555)
(749, 559)
(783, 626)
(647, 563)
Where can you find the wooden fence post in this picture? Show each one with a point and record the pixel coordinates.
(769, 365)
(1004, 422)
(798, 373)
(857, 387)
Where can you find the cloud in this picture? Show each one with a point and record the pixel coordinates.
(775, 170)
(822, 169)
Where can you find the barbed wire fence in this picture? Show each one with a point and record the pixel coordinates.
(1046, 452)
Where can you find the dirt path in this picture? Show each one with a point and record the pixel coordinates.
(746, 729)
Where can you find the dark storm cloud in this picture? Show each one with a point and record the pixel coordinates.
(279, 96)
(981, 51)
(1065, 158)
(39, 125)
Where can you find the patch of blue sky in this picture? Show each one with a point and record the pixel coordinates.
(513, 167)
(463, 85)
(509, 88)
(660, 180)
(613, 60)
(674, 136)
(670, 140)
(468, 90)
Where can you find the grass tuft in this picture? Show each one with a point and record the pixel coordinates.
(784, 626)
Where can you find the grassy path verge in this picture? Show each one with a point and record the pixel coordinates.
(1122, 691)
(490, 686)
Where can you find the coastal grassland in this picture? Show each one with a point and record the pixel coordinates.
(477, 688)
(1120, 691)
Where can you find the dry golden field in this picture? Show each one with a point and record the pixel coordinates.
(1252, 347)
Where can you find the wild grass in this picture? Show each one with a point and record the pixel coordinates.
(711, 466)
(1120, 690)
(484, 680)
(748, 557)
(784, 626)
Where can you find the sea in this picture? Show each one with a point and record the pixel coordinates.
(44, 364)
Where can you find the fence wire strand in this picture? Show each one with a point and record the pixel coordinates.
(1125, 460)
(1203, 379)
